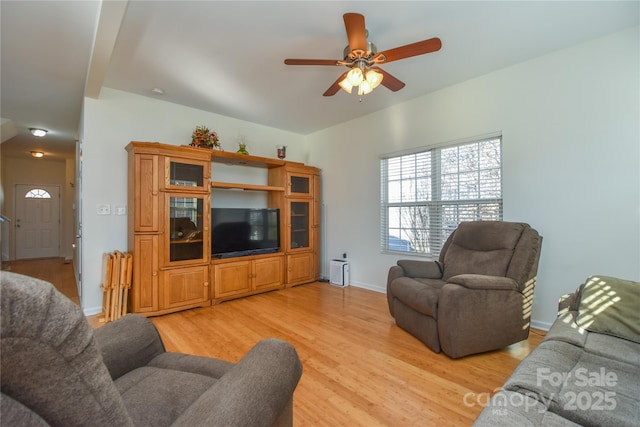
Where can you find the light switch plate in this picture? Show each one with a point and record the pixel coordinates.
(104, 209)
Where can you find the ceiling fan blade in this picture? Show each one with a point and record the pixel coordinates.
(413, 49)
(311, 62)
(356, 32)
(389, 81)
(335, 87)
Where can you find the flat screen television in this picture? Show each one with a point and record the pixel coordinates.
(244, 231)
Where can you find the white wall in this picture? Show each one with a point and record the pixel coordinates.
(114, 120)
(571, 162)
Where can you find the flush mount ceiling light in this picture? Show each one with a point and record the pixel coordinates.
(37, 154)
(38, 132)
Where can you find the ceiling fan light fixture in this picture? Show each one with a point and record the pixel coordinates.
(360, 55)
(345, 85)
(355, 77)
(38, 132)
(365, 88)
(374, 78)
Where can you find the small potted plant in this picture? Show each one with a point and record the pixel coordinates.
(203, 137)
(242, 145)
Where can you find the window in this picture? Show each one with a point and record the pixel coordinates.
(427, 192)
(37, 193)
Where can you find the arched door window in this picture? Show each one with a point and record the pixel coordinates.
(37, 193)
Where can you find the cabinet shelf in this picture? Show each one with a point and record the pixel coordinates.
(184, 241)
(245, 160)
(245, 187)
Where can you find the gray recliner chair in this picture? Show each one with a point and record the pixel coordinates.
(477, 297)
(56, 371)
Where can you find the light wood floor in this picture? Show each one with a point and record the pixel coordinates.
(360, 369)
(54, 270)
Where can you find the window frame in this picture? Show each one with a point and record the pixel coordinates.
(433, 227)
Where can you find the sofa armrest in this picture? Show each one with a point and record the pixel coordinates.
(570, 302)
(421, 269)
(480, 282)
(253, 393)
(128, 343)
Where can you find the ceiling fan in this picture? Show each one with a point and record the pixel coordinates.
(362, 59)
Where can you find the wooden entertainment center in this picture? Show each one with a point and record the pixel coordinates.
(169, 228)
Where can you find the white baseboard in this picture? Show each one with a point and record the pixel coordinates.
(92, 311)
(375, 288)
(545, 326)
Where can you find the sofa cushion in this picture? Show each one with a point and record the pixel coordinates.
(483, 247)
(157, 397)
(508, 409)
(214, 368)
(613, 348)
(599, 391)
(548, 359)
(610, 306)
(584, 387)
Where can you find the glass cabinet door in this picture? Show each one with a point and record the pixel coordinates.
(185, 175)
(300, 185)
(187, 225)
(300, 221)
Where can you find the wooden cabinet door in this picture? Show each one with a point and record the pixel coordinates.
(299, 185)
(300, 268)
(268, 273)
(187, 236)
(184, 286)
(145, 193)
(232, 278)
(298, 225)
(184, 174)
(144, 290)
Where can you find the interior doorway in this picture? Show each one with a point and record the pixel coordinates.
(37, 221)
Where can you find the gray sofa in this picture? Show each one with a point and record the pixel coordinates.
(587, 369)
(57, 371)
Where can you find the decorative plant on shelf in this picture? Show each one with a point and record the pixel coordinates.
(203, 137)
(242, 145)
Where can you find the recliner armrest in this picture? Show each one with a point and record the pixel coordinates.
(253, 393)
(128, 343)
(481, 282)
(421, 269)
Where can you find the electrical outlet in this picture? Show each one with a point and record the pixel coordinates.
(121, 210)
(104, 209)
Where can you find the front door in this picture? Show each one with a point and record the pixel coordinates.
(37, 224)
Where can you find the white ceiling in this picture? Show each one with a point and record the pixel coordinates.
(227, 57)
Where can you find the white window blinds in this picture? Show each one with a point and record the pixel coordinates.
(425, 194)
